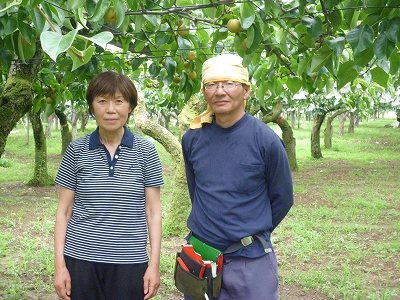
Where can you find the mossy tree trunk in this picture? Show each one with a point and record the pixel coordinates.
(17, 97)
(66, 135)
(316, 131)
(315, 135)
(290, 142)
(178, 209)
(342, 119)
(84, 117)
(40, 175)
(292, 118)
(352, 122)
(287, 133)
(74, 126)
(328, 131)
(15, 102)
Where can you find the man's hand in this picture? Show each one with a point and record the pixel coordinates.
(62, 283)
(151, 282)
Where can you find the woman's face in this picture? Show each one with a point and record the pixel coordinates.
(111, 111)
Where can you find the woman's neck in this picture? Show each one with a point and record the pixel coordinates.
(113, 138)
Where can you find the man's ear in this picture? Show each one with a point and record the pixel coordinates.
(247, 92)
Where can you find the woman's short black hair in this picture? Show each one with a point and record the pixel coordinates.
(109, 83)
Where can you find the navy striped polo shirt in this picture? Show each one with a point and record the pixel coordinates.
(108, 223)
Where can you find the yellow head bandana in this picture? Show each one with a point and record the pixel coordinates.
(222, 67)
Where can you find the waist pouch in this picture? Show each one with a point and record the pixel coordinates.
(198, 270)
(192, 285)
(198, 267)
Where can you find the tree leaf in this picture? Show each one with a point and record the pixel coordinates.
(360, 38)
(393, 31)
(80, 58)
(336, 19)
(37, 19)
(10, 4)
(153, 20)
(346, 74)
(136, 62)
(256, 38)
(9, 24)
(162, 37)
(183, 44)
(133, 4)
(363, 58)
(349, 12)
(120, 10)
(383, 47)
(75, 4)
(337, 45)
(26, 50)
(314, 26)
(394, 63)
(54, 43)
(302, 65)
(323, 57)
(100, 10)
(154, 69)
(272, 8)
(293, 84)
(380, 76)
(101, 39)
(170, 66)
(188, 91)
(247, 15)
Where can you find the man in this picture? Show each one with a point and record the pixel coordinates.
(239, 182)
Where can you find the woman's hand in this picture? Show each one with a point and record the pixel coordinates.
(151, 282)
(62, 283)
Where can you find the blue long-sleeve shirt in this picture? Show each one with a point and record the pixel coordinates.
(239, 182)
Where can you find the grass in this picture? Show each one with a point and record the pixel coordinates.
(340, 240)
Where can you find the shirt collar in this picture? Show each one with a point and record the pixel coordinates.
(94, 142)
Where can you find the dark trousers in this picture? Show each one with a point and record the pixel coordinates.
(105, 281)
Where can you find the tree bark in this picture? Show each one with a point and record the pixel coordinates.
(351, 123)
(293, 119)
(287, 133)
(315, 135)
(66, 135)
(74, 124)
(84, 117)
(328, 132)
(166, 119)
(40, 176)
(17, 97)
(177, 211)
(290, 142)
(342, 119)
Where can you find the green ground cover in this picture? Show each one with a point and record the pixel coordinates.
(341, 240)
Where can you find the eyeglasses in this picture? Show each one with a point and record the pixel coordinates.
(226, 85)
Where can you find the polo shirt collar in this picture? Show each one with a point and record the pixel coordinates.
(94, 141)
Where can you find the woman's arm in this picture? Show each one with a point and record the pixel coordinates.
(62, 279)
(153, 216)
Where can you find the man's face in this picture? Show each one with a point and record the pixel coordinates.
(226, 97)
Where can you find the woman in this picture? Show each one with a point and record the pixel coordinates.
(109, 198)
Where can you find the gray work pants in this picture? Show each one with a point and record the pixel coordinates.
(249, 278)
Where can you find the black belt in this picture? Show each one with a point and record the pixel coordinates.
(246, 241)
